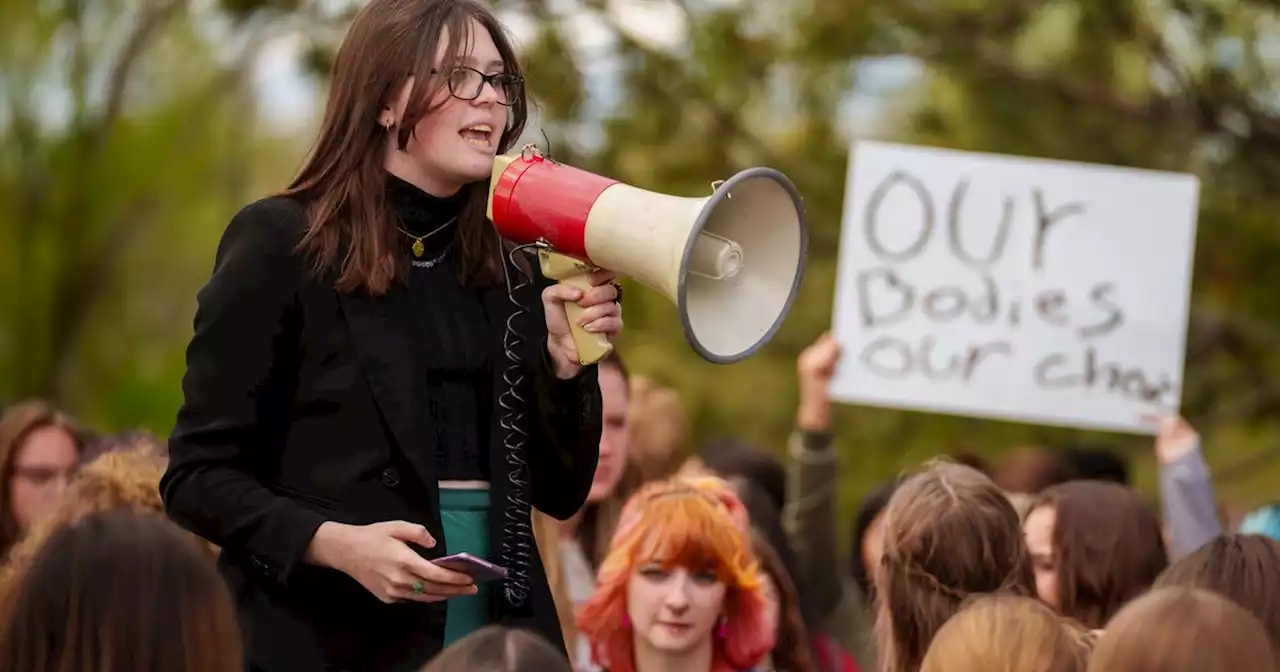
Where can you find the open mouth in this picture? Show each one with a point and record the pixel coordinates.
(478, 135)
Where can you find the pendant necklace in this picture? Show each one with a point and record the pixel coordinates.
(419, 248)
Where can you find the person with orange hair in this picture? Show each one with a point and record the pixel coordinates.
(680, 590)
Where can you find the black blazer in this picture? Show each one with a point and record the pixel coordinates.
(300, 404)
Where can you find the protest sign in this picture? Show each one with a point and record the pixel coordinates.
(1013, 288)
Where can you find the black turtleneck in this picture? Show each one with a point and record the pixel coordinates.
(455, 337)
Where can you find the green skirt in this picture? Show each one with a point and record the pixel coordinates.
(465, 515)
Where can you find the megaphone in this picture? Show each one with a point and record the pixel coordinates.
(731, 261)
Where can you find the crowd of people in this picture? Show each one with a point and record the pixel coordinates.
(711, 559)
(391, 457)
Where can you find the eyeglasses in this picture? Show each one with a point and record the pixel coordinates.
(42, 477)
(467, 84)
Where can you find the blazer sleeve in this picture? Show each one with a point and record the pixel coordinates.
(237, 395)
(564, 441)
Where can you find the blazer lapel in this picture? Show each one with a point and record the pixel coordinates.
(382, 329)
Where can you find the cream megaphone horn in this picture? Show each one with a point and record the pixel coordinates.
(731, 261)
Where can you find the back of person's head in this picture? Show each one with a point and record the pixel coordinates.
(734, 459)
(660, 433)
(119, 591)
(498, 649)
(950, 533)
(1008, 633)
(1182, 629)
(1108, 547)
(128, 440)
(1244, 568)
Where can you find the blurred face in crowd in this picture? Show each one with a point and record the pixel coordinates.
(873, 542)
(42, 465)
(1039, 530)
(673, 610)
(454, 144)
(613, 437)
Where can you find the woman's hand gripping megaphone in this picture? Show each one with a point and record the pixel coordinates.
(583, 310)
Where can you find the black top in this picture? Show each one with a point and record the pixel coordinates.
(454, 332)
(303, 404)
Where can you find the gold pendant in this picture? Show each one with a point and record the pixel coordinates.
(418, 248)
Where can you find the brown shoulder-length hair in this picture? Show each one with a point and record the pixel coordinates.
(1182, 629)
(343, 183)
(791, 652)
(495, 648)
(1244, 568)
(1008, 633)
(16, 424)
(949, 533)
(1107, 546)
(117, 592)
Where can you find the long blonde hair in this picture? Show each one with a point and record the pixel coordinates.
(660, 437)
(1008, 633)
(1181, 629)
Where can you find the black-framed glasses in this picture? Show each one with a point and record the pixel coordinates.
(467, 84)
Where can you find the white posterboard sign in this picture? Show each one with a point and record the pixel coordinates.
(1020, 289)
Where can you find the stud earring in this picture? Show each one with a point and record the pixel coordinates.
(626, 620)
(722, 630)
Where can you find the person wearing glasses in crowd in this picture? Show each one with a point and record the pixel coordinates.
(348, 415)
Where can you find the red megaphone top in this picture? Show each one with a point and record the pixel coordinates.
(536, 198)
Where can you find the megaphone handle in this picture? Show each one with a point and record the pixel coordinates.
(591, 347)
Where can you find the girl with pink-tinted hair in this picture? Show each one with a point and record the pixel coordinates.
(680, 589)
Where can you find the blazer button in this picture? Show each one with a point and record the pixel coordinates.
(390, 477)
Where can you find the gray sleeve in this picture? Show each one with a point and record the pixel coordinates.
(1186, 496)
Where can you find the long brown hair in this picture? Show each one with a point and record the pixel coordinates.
(118, 592)
(16, 424)
(1244, 568)
(494, 648)
(791, 653)
(949, 533)
(1107, 547)
(343, 182)
(1183, 630)
(1008, 633)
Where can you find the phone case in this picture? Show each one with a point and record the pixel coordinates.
(477, 568)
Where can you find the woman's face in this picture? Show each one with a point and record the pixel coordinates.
(873, 543)
(673, 610)
(455, 143)
(614, 438)
(42, 465)
(1038, 528)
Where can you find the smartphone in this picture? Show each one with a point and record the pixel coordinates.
(478, 569)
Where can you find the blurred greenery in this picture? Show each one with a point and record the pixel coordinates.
(130, 136)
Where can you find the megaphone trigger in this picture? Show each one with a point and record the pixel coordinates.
(569, 271)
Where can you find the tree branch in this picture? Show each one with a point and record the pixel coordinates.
(149, 23)
(83, 285)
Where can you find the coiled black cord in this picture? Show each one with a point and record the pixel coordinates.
(517, 531)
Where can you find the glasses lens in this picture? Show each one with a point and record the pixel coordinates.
(465, 83)
(508, 88)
